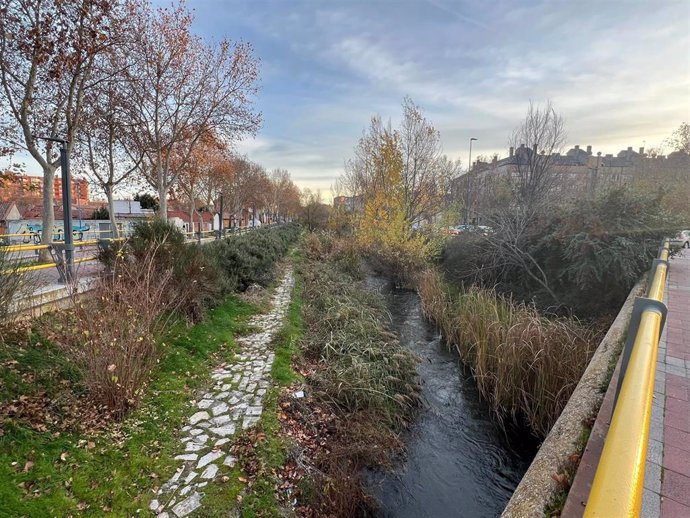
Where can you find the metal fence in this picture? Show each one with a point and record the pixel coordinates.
(24, 248)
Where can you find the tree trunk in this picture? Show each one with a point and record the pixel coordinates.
(162, 196)
(191, 220)
(111, 211)
(163, 203)
(48, 210)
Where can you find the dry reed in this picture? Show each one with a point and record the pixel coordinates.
(526, 365)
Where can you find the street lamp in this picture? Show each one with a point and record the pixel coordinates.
(467, 194)
(66, 206)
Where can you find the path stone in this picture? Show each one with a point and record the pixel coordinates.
(188, 505)
(208, 458)
(210, 471)
(235, 401)
(199, 416)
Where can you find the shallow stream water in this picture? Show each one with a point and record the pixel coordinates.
(458, 462)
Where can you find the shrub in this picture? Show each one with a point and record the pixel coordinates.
(526, 365)
(247, 259)
(583, 257)
(112, 338)
(12, 283)
(194, 270)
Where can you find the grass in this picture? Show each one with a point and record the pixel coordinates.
(116, 470)
(566, 475)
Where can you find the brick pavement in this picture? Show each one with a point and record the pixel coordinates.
(667, 476)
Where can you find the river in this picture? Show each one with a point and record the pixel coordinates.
(458, 462)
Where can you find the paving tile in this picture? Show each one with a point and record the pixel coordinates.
(677, 438)
(678, 392)
(655, 451)
(680, 381)
(672, 360)
(673, 509)
(652, 477)
(676, 487)
(677, 405)
(676, 459)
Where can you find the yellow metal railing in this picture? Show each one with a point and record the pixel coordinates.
(206, 235)
(619, 480)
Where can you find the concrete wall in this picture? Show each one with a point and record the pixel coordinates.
(538, 487)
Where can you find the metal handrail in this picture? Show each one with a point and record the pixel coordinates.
(618, 483)
(209, 235)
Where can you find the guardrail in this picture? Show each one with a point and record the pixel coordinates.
(21, 248)
(618, 484)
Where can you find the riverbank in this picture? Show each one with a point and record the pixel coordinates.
(356, 387)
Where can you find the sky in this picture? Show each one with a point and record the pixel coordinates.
(617, 70)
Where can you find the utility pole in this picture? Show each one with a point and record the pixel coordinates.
(467, 194)
(66, 206)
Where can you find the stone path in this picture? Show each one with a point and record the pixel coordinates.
(235, 402)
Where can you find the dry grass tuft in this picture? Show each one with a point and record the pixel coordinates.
(526, 365)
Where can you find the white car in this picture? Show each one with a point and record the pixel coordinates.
(682, 239)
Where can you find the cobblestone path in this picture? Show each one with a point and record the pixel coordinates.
(235, 402)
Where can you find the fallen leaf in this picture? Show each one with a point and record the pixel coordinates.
(29, 464)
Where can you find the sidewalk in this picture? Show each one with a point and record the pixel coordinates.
(667, 476)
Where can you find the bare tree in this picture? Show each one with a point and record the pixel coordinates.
(535, 174)
(47, 54)
(105, 146)
(680, 139)
(426, 172)
(181, 89)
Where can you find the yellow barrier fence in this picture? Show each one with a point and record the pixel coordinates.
(619, 480)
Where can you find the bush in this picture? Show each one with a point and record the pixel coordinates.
(12, 283)
(583, 257)
(202, 274)
(526, 365)
(112, 339)
(196, 283)
(247, 259)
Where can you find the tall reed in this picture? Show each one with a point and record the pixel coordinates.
(526, 365)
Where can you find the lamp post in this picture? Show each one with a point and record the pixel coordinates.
(220, 226)
(66, 206)
(467, 194)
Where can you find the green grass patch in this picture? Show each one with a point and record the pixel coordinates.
(46, 474)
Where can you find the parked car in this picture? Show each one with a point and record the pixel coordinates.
(475, 229)
(682, 239)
